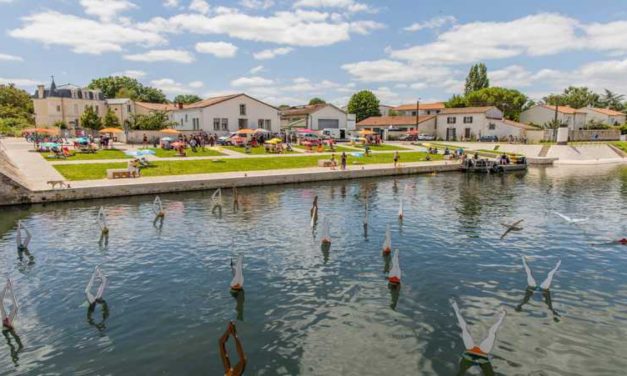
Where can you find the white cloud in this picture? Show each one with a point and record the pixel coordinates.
(297, 28)
(256, 69)
(6, 57)
(349, 5)
(513, 76)
(170, 86)
(106, 10)
(178, 56)
(434, 23)
(218, 49)
(257, 4)
(82, 35)
(304, 85)
(131, 73)
(21, 82)
(200, 6)
(251, 81)
(390, 70)
(170, 3)
(272, 53)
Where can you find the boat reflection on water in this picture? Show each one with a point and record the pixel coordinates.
(91, 309)
(469, 360)
(395, 293)
(240, 297)
(325, 248)
(15, 348)
(546, 294)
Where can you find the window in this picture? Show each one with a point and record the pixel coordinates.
(451, 120)
(225, 124)
(413, 113)
(492, 126)
(181, 122)
(195, 124)
(186, 118)
(216, 124)
(260, 123)
(268, 123)
(467, 119)
(128, 108)
(242, 109)
(58, 108)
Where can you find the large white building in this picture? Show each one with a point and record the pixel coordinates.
(421, 108)
(543, 114)
(474, 123)
(604, 115)
(316, 116)
(226, 114)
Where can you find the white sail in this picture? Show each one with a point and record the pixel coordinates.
(238, 278)
(99, 275)
(23, 236)
(102, 219)
(157, 208)
(325, 237)
(8, 318)
(387, 243)
(395, 272)
(216, 197)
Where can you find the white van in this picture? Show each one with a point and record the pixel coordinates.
(335, 133)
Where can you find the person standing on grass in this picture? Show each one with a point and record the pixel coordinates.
(396, 158)
(344, 160)
(145, 140)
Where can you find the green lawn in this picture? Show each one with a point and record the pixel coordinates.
(383, 147)
(258, 150)
(100, 154)
(622, 145)
(338, 148)
(183, 167)
(162, 153)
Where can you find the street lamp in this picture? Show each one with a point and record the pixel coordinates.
(417, 115)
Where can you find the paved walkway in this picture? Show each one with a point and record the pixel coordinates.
(34, 169)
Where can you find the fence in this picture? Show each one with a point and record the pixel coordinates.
(594, 135)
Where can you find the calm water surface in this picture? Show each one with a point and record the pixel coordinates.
(309, 313)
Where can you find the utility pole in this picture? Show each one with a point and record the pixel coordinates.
(556, 125)
(417, 115)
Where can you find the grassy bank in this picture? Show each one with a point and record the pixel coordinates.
(185, 167)
(622, 145)
(207, 152)
(255, 151)
(100, 154)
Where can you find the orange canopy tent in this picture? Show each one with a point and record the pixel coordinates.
(246, 131)
(169, 131)
(366, 132)
(110, 130)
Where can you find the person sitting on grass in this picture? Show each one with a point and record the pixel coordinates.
(320, 148)
(367, 150)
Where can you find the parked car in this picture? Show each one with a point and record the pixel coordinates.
(309, 139)
(426, 137)
(224, 141)
(408, 137)
(489, 139)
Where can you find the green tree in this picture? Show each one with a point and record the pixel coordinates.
(456, 101)
(15, 103)
(477, 78)
(317, 100)
(126, 87)
(392, 112)
(512, 102)
(110, 120)
(151, 122)
(60, 124)
(90, 119)
(284, 107)
(187, 98)
(575, 97)
(613, 100)
(364, 104)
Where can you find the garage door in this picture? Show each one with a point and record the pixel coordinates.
(328, 123)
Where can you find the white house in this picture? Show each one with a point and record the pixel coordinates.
(395, 126)
(225, 114)
(604, 115)
(422, 109)
(317, 117)
(543, 114)
(468, 123)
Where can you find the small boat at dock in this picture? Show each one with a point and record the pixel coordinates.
(494, 166)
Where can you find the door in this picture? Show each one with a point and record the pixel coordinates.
(328, 123)
(467, 133)
(342, 134)
(451, 134)
(242, 123)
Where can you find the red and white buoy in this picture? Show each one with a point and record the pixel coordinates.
(238, 277)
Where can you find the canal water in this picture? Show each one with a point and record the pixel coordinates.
(308, 312)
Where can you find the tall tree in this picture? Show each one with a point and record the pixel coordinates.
(90, 119)
(16, 110)
(316, 100)
(456, 101)
(364, 104)
(186, 98)
(151, 122)
(575, 97)
(477, 78)
(110, 120)
(126, 87)
(613, 101)
(512, 102)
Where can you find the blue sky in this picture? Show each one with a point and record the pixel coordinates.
(290, 51)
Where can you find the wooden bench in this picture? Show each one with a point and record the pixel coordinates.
(325, 163)
(118, 173)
